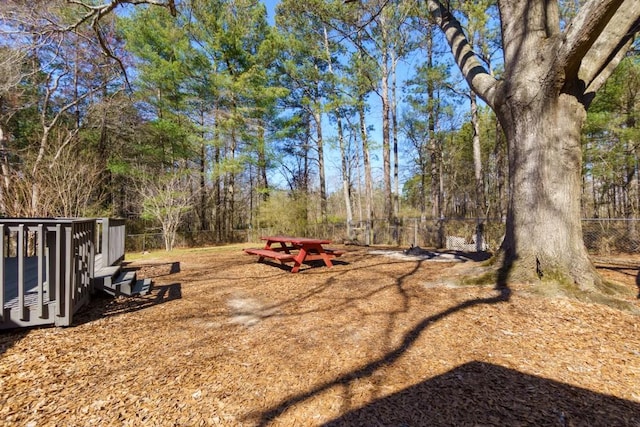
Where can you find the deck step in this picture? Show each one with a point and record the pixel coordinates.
(120, 284)
(124, 282)
(141, 287)
(115, 282)
(105, 276)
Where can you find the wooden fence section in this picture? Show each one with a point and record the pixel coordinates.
(47, 267)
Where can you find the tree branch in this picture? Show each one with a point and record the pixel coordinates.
(96, 12)
(612, 45)
(583, 31)
(479, 79)
(108, 52)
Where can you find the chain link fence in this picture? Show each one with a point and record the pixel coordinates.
(611, 236)
(601, 236)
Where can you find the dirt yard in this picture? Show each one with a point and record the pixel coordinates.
(377, 340)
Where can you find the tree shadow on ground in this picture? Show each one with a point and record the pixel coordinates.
(626, 270)
(103, 305)
(475, 393)
(479, 393)
(474, 256)
(307, 265)
(9, 337)
(388, 358)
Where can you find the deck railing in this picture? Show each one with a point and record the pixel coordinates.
(111, 235)
(46, 270)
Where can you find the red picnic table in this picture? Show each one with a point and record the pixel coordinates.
(297, 249)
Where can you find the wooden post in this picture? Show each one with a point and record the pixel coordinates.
(40, 255)
(21, 272)
(92, 260)
(2, 278)
(59, 273)
(52, 278)
(106, 253)
(69, 277)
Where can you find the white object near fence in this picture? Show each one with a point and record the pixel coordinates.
(456, 243)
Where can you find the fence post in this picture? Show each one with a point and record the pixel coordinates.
(2, 279)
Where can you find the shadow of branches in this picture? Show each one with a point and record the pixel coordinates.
(388, 358)
(103, 305)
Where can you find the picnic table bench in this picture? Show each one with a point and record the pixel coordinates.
(298, 250)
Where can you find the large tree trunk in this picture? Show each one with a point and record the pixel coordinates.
(477, 166)
(551, 74)
(499, 197)
(544, 233)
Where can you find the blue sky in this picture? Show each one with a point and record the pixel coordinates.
(271, 7)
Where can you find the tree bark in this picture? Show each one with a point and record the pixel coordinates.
(4, 171)
(501, 181)
(477, 166)
(544, 232)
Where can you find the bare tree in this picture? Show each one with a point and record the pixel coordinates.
(60, 66)
(70, 191)
(167, 199)
(11, 75)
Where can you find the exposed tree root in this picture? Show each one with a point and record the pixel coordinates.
(593, 290)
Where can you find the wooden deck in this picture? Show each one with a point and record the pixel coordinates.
(31, 283)
(35, 305)
(49, 268)
(31, 296)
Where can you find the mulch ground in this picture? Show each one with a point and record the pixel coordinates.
(373, 341)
